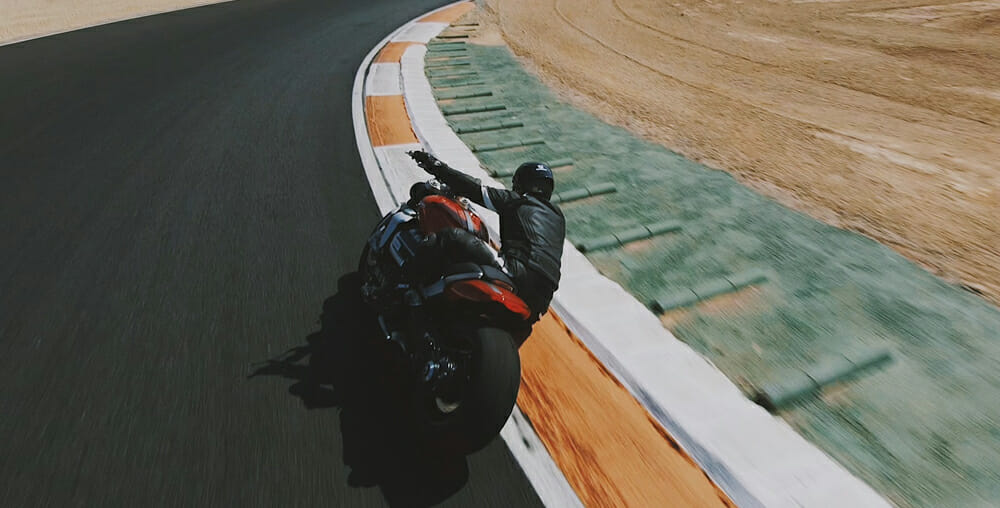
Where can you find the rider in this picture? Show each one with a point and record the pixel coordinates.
(532, 228)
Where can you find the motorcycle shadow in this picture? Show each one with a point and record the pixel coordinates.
(342, 365)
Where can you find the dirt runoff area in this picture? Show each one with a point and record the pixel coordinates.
(878, 116)
(26, 19)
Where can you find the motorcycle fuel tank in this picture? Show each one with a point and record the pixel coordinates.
(439, 212)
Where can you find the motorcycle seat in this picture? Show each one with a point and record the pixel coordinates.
(497, 275)
(461, 268)
(488, 272)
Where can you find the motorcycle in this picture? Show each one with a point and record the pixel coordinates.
(456, 325)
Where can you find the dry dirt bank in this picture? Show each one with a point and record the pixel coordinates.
(881, 116)
(24, 19)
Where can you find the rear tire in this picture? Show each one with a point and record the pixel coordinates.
(488, 400)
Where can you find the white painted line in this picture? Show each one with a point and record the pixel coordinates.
(756, 458)
(383, 79)
(380, 188)
(548, 481)
(420, 32)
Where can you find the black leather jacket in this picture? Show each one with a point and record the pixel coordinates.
(532, 230)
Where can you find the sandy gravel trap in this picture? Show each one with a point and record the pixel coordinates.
(880, 116)
(26, 19)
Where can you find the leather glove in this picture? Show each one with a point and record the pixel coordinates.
(426, 161)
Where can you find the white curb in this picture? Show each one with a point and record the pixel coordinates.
(383, 79)
(420, 32)
(380, 187)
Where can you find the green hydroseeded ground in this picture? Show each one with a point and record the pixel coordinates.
(924, 431)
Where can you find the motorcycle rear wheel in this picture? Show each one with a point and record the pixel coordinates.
(488, 399)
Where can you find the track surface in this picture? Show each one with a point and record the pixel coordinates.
(181, 200)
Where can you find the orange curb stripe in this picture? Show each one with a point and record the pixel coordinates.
(610, 449)
(449, 15)
(388, 121)
(393, 52)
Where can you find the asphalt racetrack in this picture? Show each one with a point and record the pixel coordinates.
(181, 205)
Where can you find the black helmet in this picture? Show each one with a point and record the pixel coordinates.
(534, 178)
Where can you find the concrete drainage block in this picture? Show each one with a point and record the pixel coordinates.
(490, 147)
(489, 126)
(687, 297)
(472, 109)
(509, 172)
(807, 382)
(630, 235)
(558, 163)
(436, 46)
(447, 63)
(449, 52)
(435, 59)
(449, 73)
(586, 192)
(457, 83)
(465, 95)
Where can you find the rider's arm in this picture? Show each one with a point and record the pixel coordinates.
(496, 199)
(462, 184)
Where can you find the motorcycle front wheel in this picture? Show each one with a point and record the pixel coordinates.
(488, 398)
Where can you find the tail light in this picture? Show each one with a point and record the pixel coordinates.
(482, 291)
